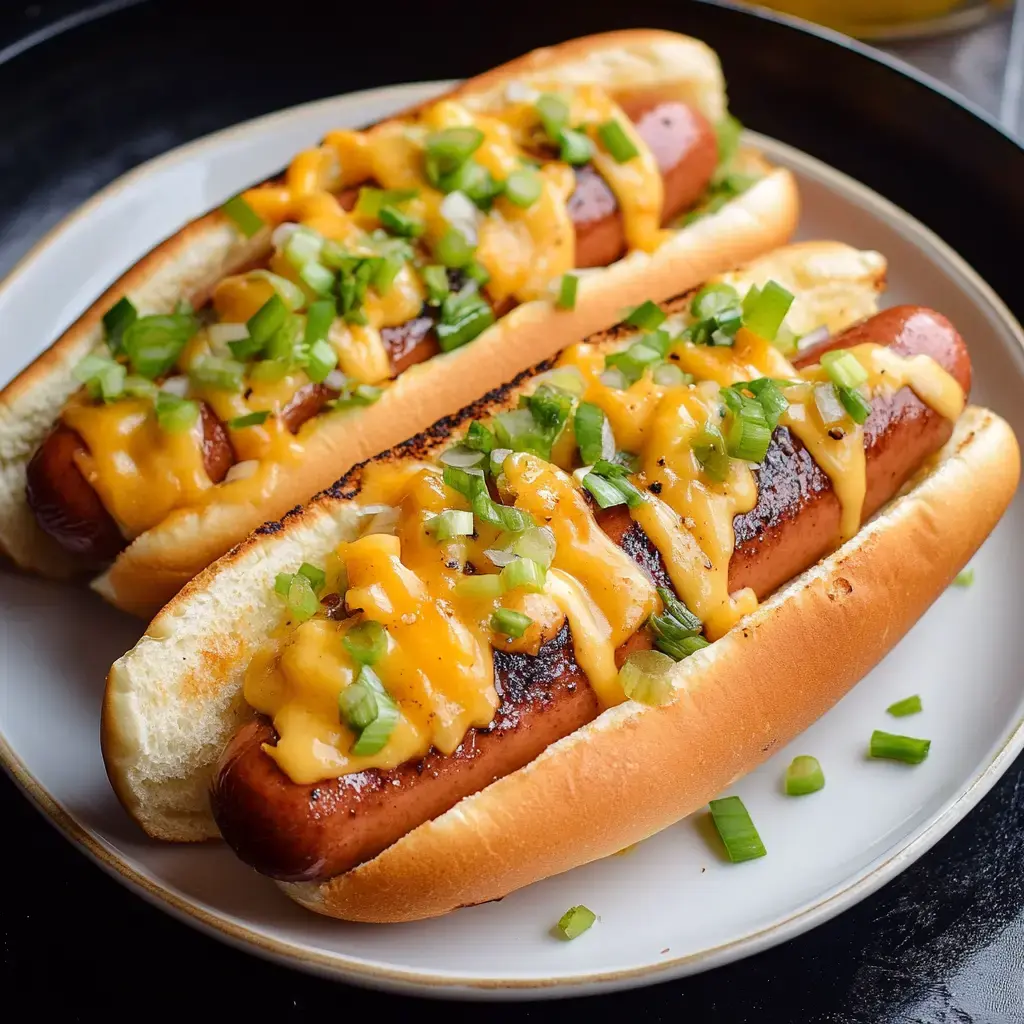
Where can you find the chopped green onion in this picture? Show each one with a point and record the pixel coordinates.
(889, 747)
(477, 272)
(291, 294)
(574, 922)
(357, 704)
(497, 460)
(645, 677)
(712, 299)
(616, 140)
(317, 577)
(844, 369)
(523, 573)
(554, 114)
(246, 219)
(575, 148)
(677, 630)
(536, 543)
(520, 431)
(451, 147)
(511, 623)
(174, 414)
(523, 187)
(605, 493)
(669, 375)
(769, 394)
(374, 736)
(467, 482)
(270, 370)
(302, 600)
(117, 319)
(737, 831)
(479, 438)
(803, 776)
(964, 579)
(319, 318)
(856, 405)
(830, 408)
(214, 372)
(435, 277)
(907, 706)
(400, 223)
(303, 246)
(449, 524)
(360, 395)
(372, 200)
(284, 343)
(462, 455)
(648, 316)
(727, 134)
(765, 312)
(366, 643)
(282, 582)
(471, 179)
(469, 322)
(140, 387)
(252, 419)
(154, 343)
(505, 516)
(593, 433)
(748, 435)
(387, 270)
(484, 588)
(318, 277)
(710, 450)
(261, 325)
(567, 292)
(321, 360)
(550, 406)
(103, 377)
(617, 476)
(453, 250)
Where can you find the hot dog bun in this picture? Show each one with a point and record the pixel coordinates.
(161, 560)
(174, 701)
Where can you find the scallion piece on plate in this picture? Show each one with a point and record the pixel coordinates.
(964, 579)
(525, 574)
(765, 313)
(244, 217)
(449, 524)
(907, 706)
(648, 316)
(175, 415)
(803, 776)
(251, 419)
(366, 643)
(510, 622)
(616, 140)
(887, 746)
(567, 292)
(736, 829)
(117, 319)
(574, 922)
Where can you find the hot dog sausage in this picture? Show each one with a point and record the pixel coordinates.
(298, 832)
(68, 508)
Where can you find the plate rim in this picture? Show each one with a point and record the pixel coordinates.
(336, 966)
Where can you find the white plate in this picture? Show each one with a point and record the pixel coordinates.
(667, 908)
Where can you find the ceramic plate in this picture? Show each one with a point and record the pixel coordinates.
(669, 907)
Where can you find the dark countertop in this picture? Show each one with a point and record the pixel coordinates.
(944, 942)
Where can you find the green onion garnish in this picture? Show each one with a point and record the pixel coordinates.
(449, 524)
(645, 677)
(710, 450)
(554, 114)
(668, 375)
(748, 434)
(371, 200)
(302, 247)
(464, 316)
(453, 250)
(319, 318)
(375, 735)
(567, 292)
(536, 543)
(316, 576)
(154, 343)
(103, 377)
(769, 394)
(574, 922)
(261, 325)
(245, 218)
(803, 776)
(677, 631)
(523, 187)
(252, 419)
(318, 277)
(890, 747)
(321, 360)
(175, 415)
(907, 706)
(508, 518)
(856, 405)
(765, 312)
(484, 588)
(521, 432)
(357, 704)
(523, 573)
(615, 139)
(844, 369)
(435, 277)
(451, 147)
(117, 319)
(400, 223)
(648, 316)
(593, 433)
(604, 492)
(964, 579)
(605, 474)
(476, 271)
(366, 643)
(479, 438)
(575, 148)
(511, 623)
(712, 299)
(140, 387)
(214, 372)
(737, 831)
(360, 395)
(301, 599)
(467, 482)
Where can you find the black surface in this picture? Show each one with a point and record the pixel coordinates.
(945, 941)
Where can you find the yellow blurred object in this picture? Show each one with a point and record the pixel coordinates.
(872, 18)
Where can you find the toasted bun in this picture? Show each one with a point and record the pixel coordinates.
(750, 692)
(160, 561)
(174, 701)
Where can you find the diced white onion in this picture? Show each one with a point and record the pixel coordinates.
(462, 214)
(221, 334)
(519, 92)
(579, 474)
(462, 457)
(568, 378)
(812, 338)
(177, 386)
(382, 522)
(500, 556)
(614, 378)
(242, 470)
(282, 233)
(335, 380)
(372, 510)
(830, 408)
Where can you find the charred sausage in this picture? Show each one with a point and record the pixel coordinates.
(311, 832)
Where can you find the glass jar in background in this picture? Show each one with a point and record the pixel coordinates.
(874, 19)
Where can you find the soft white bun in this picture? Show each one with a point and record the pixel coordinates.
(173, 702)
(155, 566)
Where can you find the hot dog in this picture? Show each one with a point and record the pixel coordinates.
(314, 832)
(315, 294)
(609, 598)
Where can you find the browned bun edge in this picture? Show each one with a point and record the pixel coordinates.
(750, 692)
